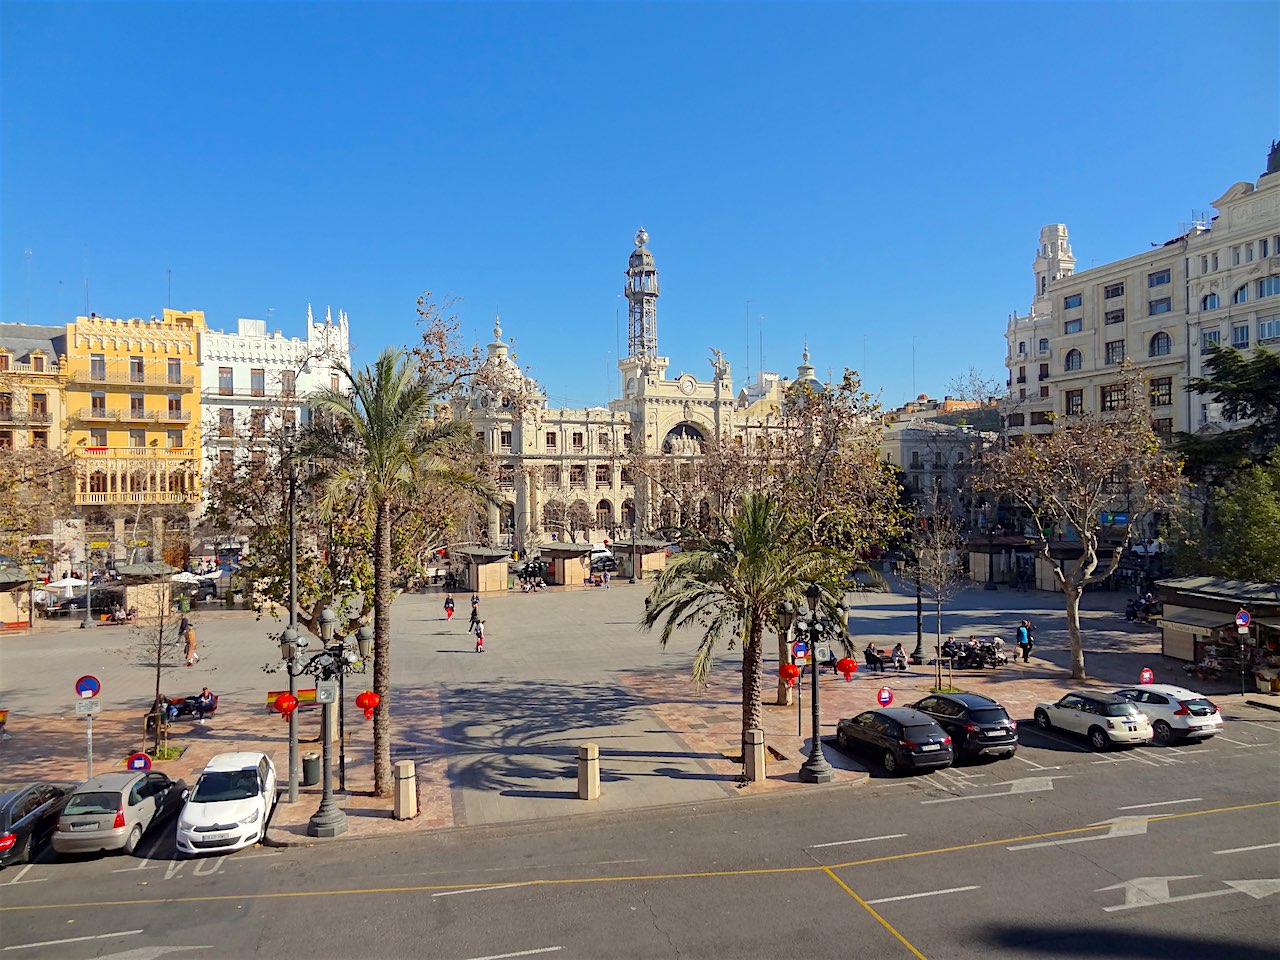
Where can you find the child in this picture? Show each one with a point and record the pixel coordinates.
(480, 636)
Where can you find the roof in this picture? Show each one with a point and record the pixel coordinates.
(243, 760)
(1199, 619)
(23, 338)
(152, 569)
(107, 782)
(11, 578)
(483, 553)
(906, 715)
(1217, 588)
(571, 548)
(1098, 695)
(969, 699)
(640, 544)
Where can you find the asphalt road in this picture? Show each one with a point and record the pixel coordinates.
(1058, 852)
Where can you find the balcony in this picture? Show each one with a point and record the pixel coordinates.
(31, 416)
(144, 496)
(135, 453)
(132, 379)
(27, 369)
(1022, 379)
(105, 415)
(1043, 376)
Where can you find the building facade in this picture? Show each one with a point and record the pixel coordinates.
(1217, 282)
(31, 382)
(939, 457)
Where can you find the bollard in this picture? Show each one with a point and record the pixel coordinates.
(589, 772)
(406, 791)
(753, 754)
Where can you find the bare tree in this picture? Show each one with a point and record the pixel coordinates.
(934, 557)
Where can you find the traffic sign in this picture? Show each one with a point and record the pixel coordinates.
(139, 761)
(1242, 618)
(88, 686)
(1147, 675)
(800, 650)
(884, 696)
(88, 707)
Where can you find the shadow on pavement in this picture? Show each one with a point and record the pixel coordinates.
(1075, 942)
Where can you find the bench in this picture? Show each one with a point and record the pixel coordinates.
(886, 659)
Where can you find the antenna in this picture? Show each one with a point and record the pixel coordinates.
(747, 372)
(913, 366)
(169, 298)
(26, 253)
(762, 363)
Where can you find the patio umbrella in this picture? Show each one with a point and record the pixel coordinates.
(66, 584)
(184, 577)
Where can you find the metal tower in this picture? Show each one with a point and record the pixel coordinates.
(642, 300)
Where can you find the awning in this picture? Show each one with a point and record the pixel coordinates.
(1198, 619)
(1272, 622)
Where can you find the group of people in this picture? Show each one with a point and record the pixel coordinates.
(532, 584)
(120, 615)
(876, 661)
(476, 625)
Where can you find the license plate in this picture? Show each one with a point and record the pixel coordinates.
(931, 746)
(84, 826)
(1131, 727)
(216, 836)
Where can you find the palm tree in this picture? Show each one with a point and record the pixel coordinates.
(378, 448)
(733, 587)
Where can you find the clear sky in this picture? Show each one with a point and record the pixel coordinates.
(871, 177)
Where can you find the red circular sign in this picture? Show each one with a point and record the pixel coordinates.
(138, 761)
(1147, 676)
(884, 696)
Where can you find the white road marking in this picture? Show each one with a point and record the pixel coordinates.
(54, 943)
(496, 886)
(141, 866)
(255, 856)
(1236, 742)
(1032, 763)
(841, 843)
(1128, 826)
(1162, 803)
(1261, 846)
(1021, 785)
(1153, 891)
(22, 873)
(1261, 726)
(518, 953)
(916, 896)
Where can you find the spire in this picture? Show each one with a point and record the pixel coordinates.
(328, 316)
(805, 370)
(497, 327)
(310, 319)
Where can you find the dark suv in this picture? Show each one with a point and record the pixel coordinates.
(904, 739)
(978, 725)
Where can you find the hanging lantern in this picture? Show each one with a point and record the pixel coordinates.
(285, 704)
(848, 667)
(790, 673)
(368, 702)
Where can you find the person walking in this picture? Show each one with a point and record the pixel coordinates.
(448, 606)
(188, 632)
(1025, 640)
(479, 631)
(475, 613)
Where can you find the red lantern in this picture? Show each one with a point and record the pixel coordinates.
(848, 667)
(368, 702)
(285, 704)
(789, 672)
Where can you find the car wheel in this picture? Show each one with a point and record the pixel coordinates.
(1098, 737)
(135, 837)
(890, 762)
(842, 740)
(23, 853)
(1042, 720)
(1163, 733)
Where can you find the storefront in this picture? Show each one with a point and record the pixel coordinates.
(1198, 625)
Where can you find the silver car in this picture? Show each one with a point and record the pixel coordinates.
(113, 811)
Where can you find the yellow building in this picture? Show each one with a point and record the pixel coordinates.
(132, 406)
(31, 412)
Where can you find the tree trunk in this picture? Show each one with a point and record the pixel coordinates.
(784, 656)
(382, 652)
(1072, 593)
(752, 682)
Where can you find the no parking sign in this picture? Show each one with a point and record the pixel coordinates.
(884, 696)
(138, 761)
(1147, 675)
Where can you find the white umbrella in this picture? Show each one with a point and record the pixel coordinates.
(184, 577)
(68, 583)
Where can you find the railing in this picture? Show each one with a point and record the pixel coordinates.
(1022, 379)
(139, 496)
(251, 393)
(27, 368)
(1043, 376)
(132, 416)
(33, 416)
(133, 379)
(111, 453)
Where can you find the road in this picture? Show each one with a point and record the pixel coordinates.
(1058, 852)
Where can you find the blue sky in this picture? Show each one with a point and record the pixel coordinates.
(868, 176)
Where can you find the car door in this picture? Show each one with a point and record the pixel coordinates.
(161, 789)
(861, 732)
(24, 818)
(52, 800)
(140, 804)
(1067, 713)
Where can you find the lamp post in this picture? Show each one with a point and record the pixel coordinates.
(289, 646)
(816, 769)
(292, 629)
(991, 553)
(328, 820)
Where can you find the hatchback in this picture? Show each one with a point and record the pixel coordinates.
(903, 738)
(113, 811)
(1102, 717)
(28, 812)
(1176, 713)
(977, 725)
(230, 805)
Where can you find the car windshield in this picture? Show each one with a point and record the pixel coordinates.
(223, 785)
(989, 715)
(1119, 709)
(921, 732)
(93, 803)
(1198, 705)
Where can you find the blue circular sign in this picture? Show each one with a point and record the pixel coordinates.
(884, 696)
(800, 649)
(139, 761)
(88, 686)
(1243, 618)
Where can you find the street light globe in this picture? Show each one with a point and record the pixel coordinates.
(364, 641)
(288, 643)
(328, 624)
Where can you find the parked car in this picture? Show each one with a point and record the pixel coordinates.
(1176, 713)
(28, 814)
(103, 599)
(903, 738)
(978, 726)
(112, 812)
(206, 589)
(1104, 718)
(230, 805)
(602, 564)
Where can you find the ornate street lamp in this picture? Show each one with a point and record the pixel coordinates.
(328, 820)
(816, 769)
(290, 645)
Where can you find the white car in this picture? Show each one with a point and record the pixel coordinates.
(1102, 717)
(230, 805)
(1176, 713)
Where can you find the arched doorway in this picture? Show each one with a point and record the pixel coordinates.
(604, 515)
(683, 438)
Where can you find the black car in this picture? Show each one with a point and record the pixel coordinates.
(104, 600)
(28, 814)
(604, 565)
(979, 727)
(903, 738)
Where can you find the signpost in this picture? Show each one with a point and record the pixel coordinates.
(87, 688)
(800, 651)
(884, 696)
(1242, 630)
(138, 761)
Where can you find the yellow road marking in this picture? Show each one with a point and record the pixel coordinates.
(871, 910)
(564, 881)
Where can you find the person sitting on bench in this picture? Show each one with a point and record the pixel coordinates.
(873, 658)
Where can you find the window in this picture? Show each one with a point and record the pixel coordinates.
(1268, 329)
(1113, 290)
(578, 442)
(1163, 305)
(1073, 326)
(175, 404)
(174, 367)
(226, 381)
(289, 419)
(551, 440)
(1044, 391)
(1112, 397)
(1263, 248)
(1215, 261)
(1248, 253)
(1016, 420)
(6, 436)
(578, 476)
(551, 476)
(98, 437)
(602, 441)
(1235, 256)
(1163, 429)
(226, 422)
(288, 383)
(40, 405)
(1114, 352)
(136, 405)
(1044, 344)
(1022, 374)
(1075, 402)
(1072, 301)
(1268, 287)
(1240, 336)
(504, 440)
(1209, 302)
(1114, 316)
(137, 438)
(97, 367)
(1161, 345)
(1204, 264)
(257, 423)
(137, 372)
(1022, 393)
(1241, 295)
(98, 403)
(40, 438)
(603, 477)
(175, 439)
(915, 460)
(37, 364)
(334, 384)
(1209, 337)
(1074, 361)
(1022, 346)
(257, 382)
(1044, 372)
(938, 463)
(1040, 418)
(1159, 278)
(1162, 392)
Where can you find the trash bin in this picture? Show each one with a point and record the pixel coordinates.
(310, 769)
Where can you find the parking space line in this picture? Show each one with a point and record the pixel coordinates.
(54, 943)
(917, 896)
(1260, 726)
(22, 873)
(841, 843)
(871, 910)
(519, 953)
(496, 886)
(1260, 846)
(1162, 803)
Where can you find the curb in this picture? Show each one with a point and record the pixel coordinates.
(1264, 706)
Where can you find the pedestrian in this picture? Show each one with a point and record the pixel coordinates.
(188, 632)
(899, 656)
(448, 606)
(479, 636)
(606, 579)
(204, 704)
(1025, 640)
(475, 615)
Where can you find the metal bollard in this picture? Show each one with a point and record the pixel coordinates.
(406, 790)
(589, 772)
(753, 755)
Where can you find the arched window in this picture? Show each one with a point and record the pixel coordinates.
(604, 514)
(1241, 295)
(1075, 360)
(1209, 302)
(1161, 345)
